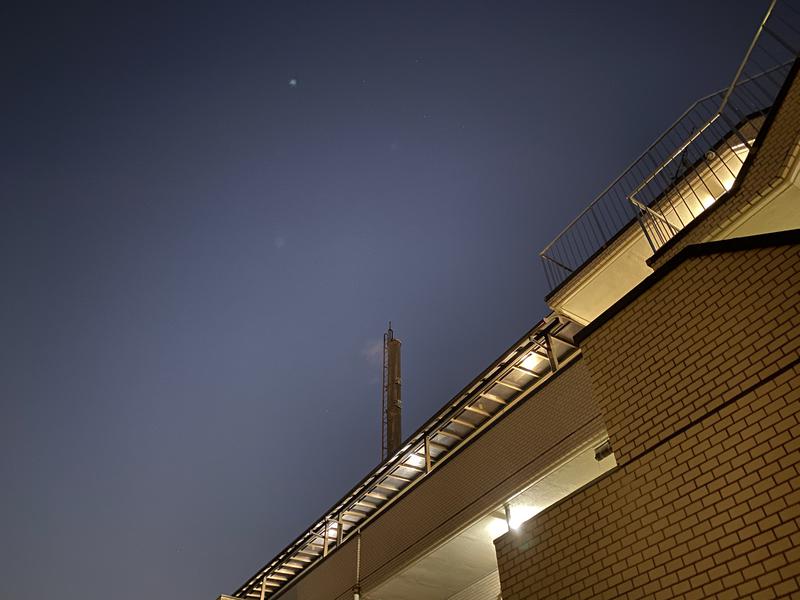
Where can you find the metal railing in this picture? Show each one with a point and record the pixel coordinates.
(520, 371)
(692, 164)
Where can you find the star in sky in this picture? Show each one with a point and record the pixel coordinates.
(293, 82)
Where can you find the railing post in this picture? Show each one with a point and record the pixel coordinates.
(325, 536)
(427, 454)
(551, 355)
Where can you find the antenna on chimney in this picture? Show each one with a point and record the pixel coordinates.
(391, 432)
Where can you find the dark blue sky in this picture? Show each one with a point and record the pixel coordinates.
(197, 257)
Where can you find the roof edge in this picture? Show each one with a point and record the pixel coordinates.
(743, 173)
(789, 237)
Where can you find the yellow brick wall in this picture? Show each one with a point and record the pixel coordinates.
(702, 334)
(699, 383)
(712, 513)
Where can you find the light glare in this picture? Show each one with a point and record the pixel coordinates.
(531, 361)
(521, 513)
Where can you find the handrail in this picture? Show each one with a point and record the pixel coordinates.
(674, 155)
(660, 138)
(746, 58)
(460, 421)
(723, 104)
(695, 135)
(629, 167)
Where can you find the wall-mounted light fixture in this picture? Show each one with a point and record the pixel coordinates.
(603, 450)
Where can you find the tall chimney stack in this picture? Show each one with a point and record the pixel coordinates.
(391, 423)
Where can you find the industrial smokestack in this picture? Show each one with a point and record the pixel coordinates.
(392, 403)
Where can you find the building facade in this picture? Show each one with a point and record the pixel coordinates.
(642, 439)
(704, 501)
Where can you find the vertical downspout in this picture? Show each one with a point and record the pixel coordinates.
(357, 587)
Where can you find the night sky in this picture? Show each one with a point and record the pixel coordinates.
(211, 211)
